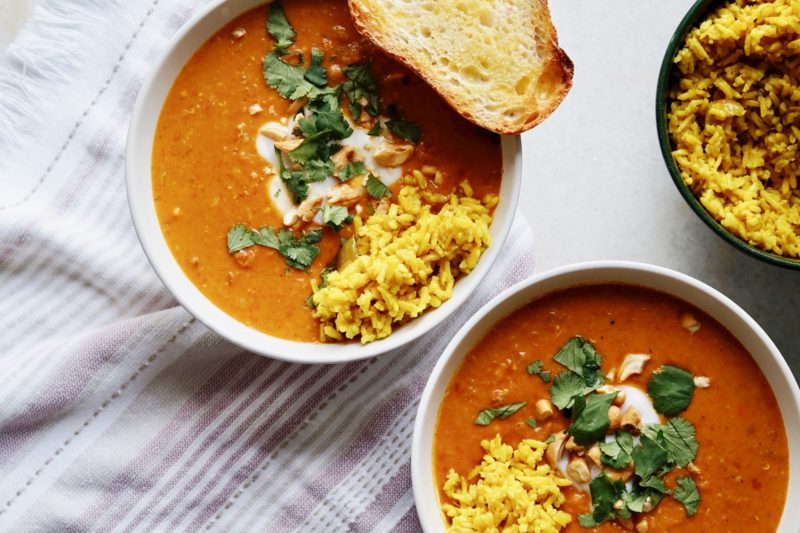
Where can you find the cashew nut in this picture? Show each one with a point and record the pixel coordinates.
(631, 420)
(633, 364)
(556, 448)
(544, 409)
(288, 145)
(389, 154)
(578, 471)
(274, 131)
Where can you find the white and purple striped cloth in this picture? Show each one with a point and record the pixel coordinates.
(118, 410)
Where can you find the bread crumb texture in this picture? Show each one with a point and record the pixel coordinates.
(497, 62)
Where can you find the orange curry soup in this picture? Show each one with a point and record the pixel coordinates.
(208, 175)
(743, 455)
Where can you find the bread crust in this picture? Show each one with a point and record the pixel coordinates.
(558, 65)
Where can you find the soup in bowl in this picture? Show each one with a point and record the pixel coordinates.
(609, 395)
(300, 192)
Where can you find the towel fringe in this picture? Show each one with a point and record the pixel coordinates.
(45, 55)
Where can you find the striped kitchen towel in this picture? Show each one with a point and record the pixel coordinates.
(118, 410)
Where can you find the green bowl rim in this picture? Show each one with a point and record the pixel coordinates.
(695, 13)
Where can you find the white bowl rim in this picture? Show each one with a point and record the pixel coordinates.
(138, 179)
(426, 494)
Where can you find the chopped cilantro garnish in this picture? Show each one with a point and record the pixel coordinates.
(590, 418)
(605, 493)
(487, 415)
(376, 188)
(640, 495)
(654, 483)
(361, 89)
(678, 440)
(532, 422)
(580, 357)
(687, 493)
(311, 148)
(297, 252)
(295, 180)
(648, 457)
(351, 170)
(279, 28)
(336, 216)
(617, 453)
(671, 390)
(407, 130)
(535, 369)
(288, 80)
(325, 116)
(316, 73)
(239, 238)
(318, 169)
(566, 387)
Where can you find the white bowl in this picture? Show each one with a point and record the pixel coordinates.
(140, 197)
(727, 313)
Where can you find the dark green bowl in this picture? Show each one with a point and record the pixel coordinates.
(696, 14)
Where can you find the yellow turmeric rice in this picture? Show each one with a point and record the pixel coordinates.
(409, 255)
(734, 120)
(512, 490)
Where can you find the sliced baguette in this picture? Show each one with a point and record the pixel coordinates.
(497, 62)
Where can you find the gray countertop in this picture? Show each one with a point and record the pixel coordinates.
(596, 186)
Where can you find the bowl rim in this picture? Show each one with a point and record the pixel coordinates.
(698, 10)
(166, 67)
(773, 366)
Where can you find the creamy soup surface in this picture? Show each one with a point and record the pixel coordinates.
(743, 456)
(208, 174)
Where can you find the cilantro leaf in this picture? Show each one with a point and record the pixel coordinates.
(407, 130)
(535, 369)
(376, 188)
(361, 89)
(335, 216)
(655, 483)
(648, 457)
(318, 169)
(239, 238)
(678, 438)
(640, 495)
(617, 453)
(325, 116)
(487, 415)
(687, 493)
(671, 390)
(309, 149)
(580, 357)
(590, 418)
(266, 236)
(605, 492)
(298, 253)
(375, 130)
(351, 170)
(532, 422)
(316, 73)
(279, 28)
(566, 387)
(288, 80)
